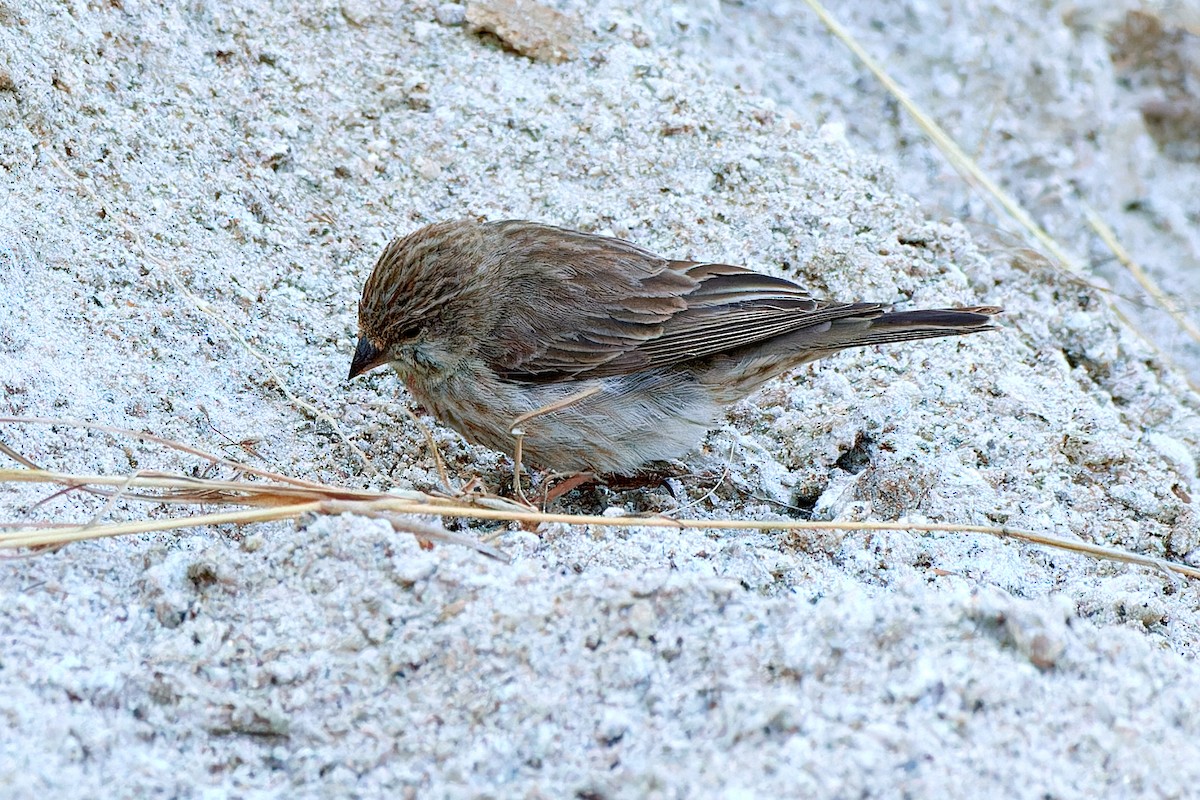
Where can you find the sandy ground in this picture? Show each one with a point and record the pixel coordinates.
(163, 166)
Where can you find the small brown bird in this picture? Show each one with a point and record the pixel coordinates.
(602, 356)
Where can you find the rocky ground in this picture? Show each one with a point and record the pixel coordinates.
(169, 168)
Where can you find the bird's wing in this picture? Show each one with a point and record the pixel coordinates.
(731, 308)
(605, 307)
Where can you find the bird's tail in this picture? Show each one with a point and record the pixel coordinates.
(865, 324)
(925, 323)
(846, 326)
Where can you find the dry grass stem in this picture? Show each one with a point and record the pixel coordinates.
(1160, 296)
(970, 170)
(291, 499)
(958, 158)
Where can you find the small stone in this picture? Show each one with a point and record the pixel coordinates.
(531, 29)
(450, 14)
(428, 169)
(356, 12)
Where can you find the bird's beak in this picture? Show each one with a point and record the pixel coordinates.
(366, 358)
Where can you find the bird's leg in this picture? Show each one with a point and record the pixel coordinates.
(570, 482)
(518, 433)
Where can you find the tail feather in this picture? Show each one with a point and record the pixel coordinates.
(903, 326)
(968, 318)
(866, 325)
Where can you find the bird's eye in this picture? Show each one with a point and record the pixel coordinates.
(406, 333)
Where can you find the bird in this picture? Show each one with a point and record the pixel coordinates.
(589, 354)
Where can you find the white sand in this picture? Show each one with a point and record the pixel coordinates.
(265, 156)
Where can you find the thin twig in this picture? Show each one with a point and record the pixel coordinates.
(970, 170)
(162, 440)
(1168, 303)
(390, 505)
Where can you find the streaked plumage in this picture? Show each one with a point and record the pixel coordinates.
(487, 322)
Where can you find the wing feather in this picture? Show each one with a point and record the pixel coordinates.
(615, 308)
(580, 306)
